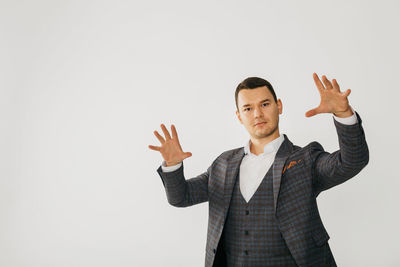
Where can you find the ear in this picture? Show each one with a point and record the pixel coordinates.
(280, 106)
(238, 116)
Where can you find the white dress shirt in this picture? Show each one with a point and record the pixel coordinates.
(254, 167)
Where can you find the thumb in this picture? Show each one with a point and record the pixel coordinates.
(312, 112)
(187, 154)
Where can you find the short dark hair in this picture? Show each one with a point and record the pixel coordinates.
(251, 83)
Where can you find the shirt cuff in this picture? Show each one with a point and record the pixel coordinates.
(172, 168)
(348, 120)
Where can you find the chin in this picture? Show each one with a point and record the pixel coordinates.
(262, 134)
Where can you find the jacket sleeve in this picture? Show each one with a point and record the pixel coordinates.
(331, 169)
(181, 192)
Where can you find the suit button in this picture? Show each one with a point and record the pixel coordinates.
(246, 252)
(247, 212)
(214, 250)
(246, 232)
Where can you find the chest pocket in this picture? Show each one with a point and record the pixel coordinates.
(293, 166)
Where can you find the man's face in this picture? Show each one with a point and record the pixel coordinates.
(258, 112)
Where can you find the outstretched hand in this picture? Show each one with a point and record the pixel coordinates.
(332, 100)
(170, 148)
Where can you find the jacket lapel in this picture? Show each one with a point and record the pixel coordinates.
(281, 156)
(233, 166)
(232, 169)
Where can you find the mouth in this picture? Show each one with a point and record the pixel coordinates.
(260, 124)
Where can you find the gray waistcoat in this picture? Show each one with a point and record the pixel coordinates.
(251, 236)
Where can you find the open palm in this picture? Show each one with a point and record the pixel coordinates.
(332, 100)
(170, 148)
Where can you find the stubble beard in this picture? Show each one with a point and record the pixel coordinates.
(266, 133)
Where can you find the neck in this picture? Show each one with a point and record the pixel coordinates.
(257, 144)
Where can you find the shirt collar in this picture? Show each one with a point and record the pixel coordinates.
(272, 146)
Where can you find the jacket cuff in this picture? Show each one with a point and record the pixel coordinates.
(172, 168)
(354, 130)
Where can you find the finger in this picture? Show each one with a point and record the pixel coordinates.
(187, 154)
(347, 93)
(174, 133)
(157, 148)
(312, 112)
(165, 131)
(335, 85)
(327, 83)
(318, 82)
(159, 137)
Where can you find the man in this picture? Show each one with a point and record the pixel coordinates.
(262, 197)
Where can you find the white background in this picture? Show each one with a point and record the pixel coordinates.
(83, 85)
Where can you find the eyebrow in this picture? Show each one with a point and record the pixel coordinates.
(262, 101)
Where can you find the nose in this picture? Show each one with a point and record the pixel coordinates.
(257, 112)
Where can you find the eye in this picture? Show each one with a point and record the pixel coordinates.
(265, 104)
(246, 109)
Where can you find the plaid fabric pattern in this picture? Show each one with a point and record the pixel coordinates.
(295, 189)
(251, 235)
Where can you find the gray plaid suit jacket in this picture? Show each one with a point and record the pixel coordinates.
(300, 174)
